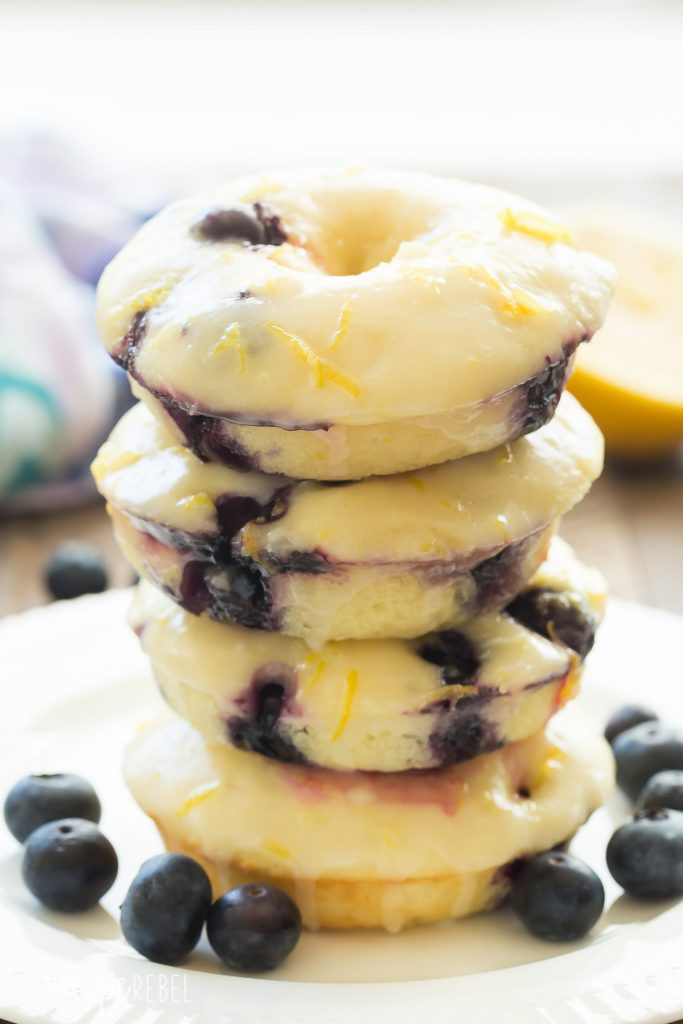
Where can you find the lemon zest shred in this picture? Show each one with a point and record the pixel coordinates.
(342, 327)
(123, 460)
(147, 298)
(230, 340)
(524, 304)
(551, 763)
(421, 277)
(569, 688)
(152, 297)
(104, 464)
(277, 849)
(318, 672)
(250, 540)
(527, 222)
(199, 500)
(323, 371)
(349, 695)
(516, 302)
(416, 481)
(198, 796)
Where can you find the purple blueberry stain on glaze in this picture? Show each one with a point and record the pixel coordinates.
(454, 654)
(270, 695)
(460, 737)
(306, 563)
(542, 395)
(234, 511)
(253, 224)
(192, 591)
(272, 224)
(497, 579)
(240, 593)
(204, 437)
(219, 578)
(130, 343)
(556, 615)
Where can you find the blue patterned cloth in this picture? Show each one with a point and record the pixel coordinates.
(59, 394)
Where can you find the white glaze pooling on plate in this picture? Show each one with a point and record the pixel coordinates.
(339, 712)
(396, 296)
(75, 710)
(447, 512)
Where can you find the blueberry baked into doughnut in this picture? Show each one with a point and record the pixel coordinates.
(399, 556)
(333, 325)
(454, 694)
(358, 850)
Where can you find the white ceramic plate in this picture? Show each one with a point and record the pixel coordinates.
(76, 685)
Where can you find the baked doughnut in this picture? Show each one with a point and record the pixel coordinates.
(331, 324)
(361, 850)
(388, 556)
(379, 705)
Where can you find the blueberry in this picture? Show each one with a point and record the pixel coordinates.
(455, 654)
(665, 789)
(643, 751)
(254, 928)
(37, 799)
(259, 731)
(645, 856)
(69, 865)
(626, 717)
(75, 569)
(543, 395)
(557, 897)
(255, 225)
(556, 615)
(165, 908)
(239, 223)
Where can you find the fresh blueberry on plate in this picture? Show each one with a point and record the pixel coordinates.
(557, 897)
(75, 569)
(254, 928)
(643, 751)
(165, 908)
(665, 789)
(69, 865)
(37, 799)
(645, 856)
(627, 717)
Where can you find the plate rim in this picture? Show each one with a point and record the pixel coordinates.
(637, 976)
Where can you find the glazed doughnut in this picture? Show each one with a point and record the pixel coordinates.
(360, 850)
(329, 324)
(378, 705)
(389, 556)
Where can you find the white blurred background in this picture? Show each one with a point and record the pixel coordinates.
(183, 93)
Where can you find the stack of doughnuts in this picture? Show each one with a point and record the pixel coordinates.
(341, 489)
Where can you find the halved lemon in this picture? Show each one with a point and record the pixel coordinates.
(630, 377)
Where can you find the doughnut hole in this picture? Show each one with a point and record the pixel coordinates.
(360, 230)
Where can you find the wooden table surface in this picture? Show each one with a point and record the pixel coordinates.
(630, 526)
